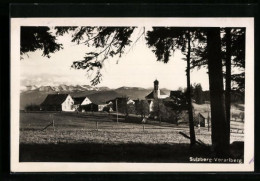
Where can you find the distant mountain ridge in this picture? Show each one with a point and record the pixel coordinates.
(36, 94)
(62, 87)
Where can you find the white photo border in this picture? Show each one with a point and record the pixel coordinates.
(17, 166)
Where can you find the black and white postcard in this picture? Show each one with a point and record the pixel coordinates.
(132, 94)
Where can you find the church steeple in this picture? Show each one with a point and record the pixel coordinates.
(156, 91)
(156, 84)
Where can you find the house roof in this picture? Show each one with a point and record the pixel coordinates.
(162, 93)
(54, 99)
(87, 105)
(205, 115)
(150, 96)
(79, 100)
(119, 99)
(122, 98)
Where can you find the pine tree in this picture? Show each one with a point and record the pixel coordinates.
(165, 41)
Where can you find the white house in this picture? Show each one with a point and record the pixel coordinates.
(81, 101)
(58, 102)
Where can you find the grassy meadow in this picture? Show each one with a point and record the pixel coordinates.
(61, 136)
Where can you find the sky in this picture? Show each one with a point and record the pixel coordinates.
(136, 68)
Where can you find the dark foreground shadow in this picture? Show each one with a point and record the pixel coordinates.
(94, 152)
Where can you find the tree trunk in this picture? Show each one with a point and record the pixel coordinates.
(218, 117)
(228, 79)
(191, 123)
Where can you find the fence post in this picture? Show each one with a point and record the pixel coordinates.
(116, 112)
(53, 126)
(208, 121)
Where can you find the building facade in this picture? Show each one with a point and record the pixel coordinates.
(155, 94)
(58, 102)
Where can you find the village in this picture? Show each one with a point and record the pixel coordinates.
(118, 128)
(156, 105)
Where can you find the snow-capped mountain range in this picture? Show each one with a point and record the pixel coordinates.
(62, 88)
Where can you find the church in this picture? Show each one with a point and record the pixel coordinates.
(155, 94)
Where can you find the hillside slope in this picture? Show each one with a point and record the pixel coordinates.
(99, 95)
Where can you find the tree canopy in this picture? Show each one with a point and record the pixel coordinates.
(33, 38)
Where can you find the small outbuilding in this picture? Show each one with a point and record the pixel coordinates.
(92, 107)
(204, 119)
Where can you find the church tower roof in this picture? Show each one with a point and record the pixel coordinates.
(156, 93)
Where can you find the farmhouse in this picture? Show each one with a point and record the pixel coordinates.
(57, 102)
(84, 104)
(155, 94)
(204, 119)
(81, 101)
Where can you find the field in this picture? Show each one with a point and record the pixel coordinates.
(236, 110)
(59, 136)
